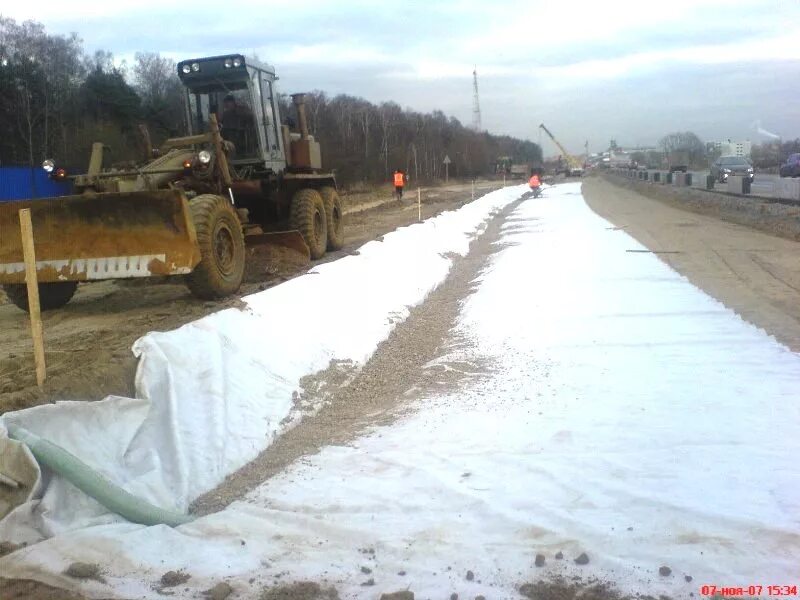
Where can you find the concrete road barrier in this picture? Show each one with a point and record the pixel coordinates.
(682, 179)
(773, 217)
(738, 185)
(787, 188)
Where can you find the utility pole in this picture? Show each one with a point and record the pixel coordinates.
(476, 105)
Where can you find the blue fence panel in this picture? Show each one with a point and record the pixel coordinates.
(22, 183)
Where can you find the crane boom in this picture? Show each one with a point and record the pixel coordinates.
(575, 167)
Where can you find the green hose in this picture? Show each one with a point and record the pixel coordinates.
(89, 481)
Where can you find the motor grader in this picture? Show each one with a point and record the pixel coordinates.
(239, 177)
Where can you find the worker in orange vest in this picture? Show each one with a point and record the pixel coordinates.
(399, 181)
(535, 183)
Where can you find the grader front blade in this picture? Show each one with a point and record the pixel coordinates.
(101, 236)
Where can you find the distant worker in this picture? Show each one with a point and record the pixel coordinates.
(535, 183)
(399, 182)
(238, 125)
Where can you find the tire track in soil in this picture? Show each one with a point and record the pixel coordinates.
(399, 372)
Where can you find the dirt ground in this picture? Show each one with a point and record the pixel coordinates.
(87, 343)
(753, 273)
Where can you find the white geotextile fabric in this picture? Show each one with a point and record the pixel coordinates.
(214, 393)
(625, 414)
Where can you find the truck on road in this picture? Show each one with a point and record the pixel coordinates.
(678, 161)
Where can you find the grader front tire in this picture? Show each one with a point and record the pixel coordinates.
(222, 252)
(51, 295)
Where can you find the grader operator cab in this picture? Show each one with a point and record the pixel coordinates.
(239, 177)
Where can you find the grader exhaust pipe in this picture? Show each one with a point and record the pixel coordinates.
(300, 104)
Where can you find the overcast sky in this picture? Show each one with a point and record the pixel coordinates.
(628, 70)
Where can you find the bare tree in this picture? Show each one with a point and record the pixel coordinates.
(685, 141)
(153, 75)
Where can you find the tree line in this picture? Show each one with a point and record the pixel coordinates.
(769, 155)
(56, 100)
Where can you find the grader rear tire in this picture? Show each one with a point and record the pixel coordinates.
(51, 295)
(308, 217)
(333, 216)
(222, 253)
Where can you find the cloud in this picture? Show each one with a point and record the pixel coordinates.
(629, 69)
(744, 54)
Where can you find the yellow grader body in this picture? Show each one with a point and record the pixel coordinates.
(194, 203)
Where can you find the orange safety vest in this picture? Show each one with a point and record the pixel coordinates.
(534, 181)
(398, 180)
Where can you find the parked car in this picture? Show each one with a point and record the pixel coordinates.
(731, 165)
(791, 168)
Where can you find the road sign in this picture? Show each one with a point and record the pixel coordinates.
(446, 160)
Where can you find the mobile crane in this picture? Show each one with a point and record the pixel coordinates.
(574, 167)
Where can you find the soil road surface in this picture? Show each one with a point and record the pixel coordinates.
(88, 342)
(755, 274)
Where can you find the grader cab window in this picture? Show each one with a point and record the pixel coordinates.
(238, 122)
(235, 115)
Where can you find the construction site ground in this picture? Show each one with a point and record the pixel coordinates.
(88, 342)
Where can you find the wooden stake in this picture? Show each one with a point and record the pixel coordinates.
(473, 189)
(34, 310)
(419, 204)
